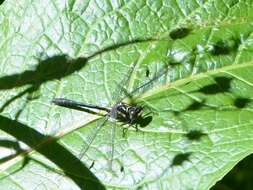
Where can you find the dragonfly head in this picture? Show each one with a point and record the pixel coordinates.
(134, 112)
(125, 112)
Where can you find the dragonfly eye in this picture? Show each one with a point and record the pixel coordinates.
(132, 112)
(135, 111)
(139, 109)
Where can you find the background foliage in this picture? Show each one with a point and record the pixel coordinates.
(199, 111)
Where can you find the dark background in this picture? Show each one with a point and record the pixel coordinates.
(239, 178)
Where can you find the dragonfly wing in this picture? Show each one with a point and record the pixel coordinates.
(121, 86)
(145, 86)
(112, 143)
(92, 137)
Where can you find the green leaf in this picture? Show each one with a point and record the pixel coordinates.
(197, 121)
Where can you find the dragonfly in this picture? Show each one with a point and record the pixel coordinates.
(121, 111)
(128, 114)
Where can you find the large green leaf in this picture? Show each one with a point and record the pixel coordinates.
(200, 108)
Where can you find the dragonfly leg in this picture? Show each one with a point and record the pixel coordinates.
(136, 127)
(124, 132)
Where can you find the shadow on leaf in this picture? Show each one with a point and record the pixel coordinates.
(240, 177)
(49, 69)
(224, 47)
(180, 158)
(52, 68)
(195, 105)
(241, 102)
(221, 85)
(179, 33)
(56, 153)
(10, 144)
(195, 135)
(55, 67)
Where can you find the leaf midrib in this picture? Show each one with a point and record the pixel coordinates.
(192, 78)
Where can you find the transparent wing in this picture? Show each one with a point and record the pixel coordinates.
(92, 137)
(115, 97)
(163, 71)
(147, 85)
(143, 87)
(122, 84)
(112, 143)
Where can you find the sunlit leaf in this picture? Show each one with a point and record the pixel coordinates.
(197, 121)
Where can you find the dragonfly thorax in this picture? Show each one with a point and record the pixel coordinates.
(125, 112)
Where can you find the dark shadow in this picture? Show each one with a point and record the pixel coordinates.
(195, 105)
(224, 47)
(232, 3)
(6, 158)
(180, 158)
(144, 121)
(8, 102)
(25, 161)
(240, 177)
(52, 150)
(18, 150)
(179, 33)
(147, 72)
(120, 45)
(221, 85)
(241, 102)
(1, 1)
(55, 67)
(122, 168)
(195, 135)
(14, 145)
(49, 69)
(174, 63)
(52, 68)
(10, 144)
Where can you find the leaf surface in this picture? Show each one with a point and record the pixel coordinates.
(197, 121)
